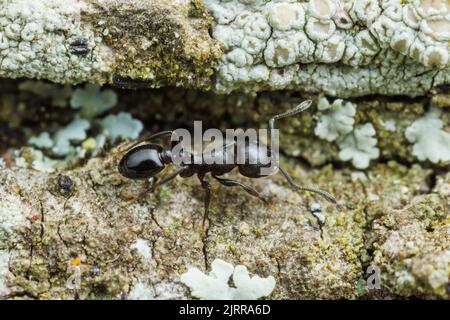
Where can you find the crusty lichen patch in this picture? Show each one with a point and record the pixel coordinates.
(37, 38)
(158, 42)
(342, 48)
(416, 242)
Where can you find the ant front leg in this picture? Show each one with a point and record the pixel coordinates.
(207, 187)
(234, 183)
(166, 179)
(156, 183)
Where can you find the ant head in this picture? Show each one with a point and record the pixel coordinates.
(142, 162)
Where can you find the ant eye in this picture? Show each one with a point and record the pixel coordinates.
(141, 162)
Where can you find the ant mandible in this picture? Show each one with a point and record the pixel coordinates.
(147, 160)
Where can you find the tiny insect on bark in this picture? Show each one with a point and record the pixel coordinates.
(79, 46)
(64, 185)
(143, 161)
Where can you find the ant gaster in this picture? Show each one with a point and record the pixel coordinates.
(147, 160)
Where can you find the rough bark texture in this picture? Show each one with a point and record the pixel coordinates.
(389, 217)
(344, 49)
(389, 60)
(129, 243)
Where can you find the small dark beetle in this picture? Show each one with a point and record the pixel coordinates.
(147, 160)
(65, 184)
(79, 46)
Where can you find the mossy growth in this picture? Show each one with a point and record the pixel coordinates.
(164, 45)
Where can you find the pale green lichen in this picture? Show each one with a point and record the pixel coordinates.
(340, 48)
(65, 142)
(42, 141)
(214, 286)
(43, 163)
(33, 158)
(335, 120)
(431, 142)
(121, 126)
(359, 146)
(73, 141)
(35, 38)
(73, 132)
(141, 292)
(11, 218)
(4, 271)
(92, 101)
(343, 49)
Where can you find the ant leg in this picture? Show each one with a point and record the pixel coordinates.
(291, 181)
(234, 183)
(151, 138)
(166, 179)
(156, 183)
(207, 187)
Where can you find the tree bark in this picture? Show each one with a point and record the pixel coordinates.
(352, 49)
(122, 237)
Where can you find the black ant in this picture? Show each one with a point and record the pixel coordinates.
(147, 160)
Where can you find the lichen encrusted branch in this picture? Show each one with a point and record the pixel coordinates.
(342, 48)
(161, 42)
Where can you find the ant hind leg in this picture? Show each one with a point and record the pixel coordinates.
(207, 187)
(234, 183)
(291, 181)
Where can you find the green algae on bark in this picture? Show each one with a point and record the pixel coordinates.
(159, 43)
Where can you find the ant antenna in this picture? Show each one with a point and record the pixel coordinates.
(150, 138)
(301, 107)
